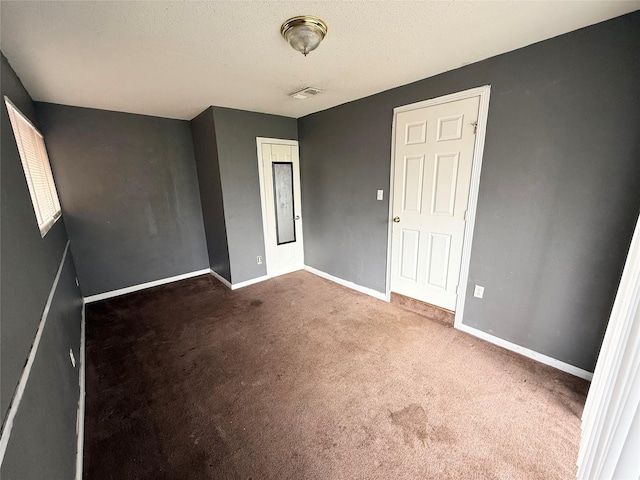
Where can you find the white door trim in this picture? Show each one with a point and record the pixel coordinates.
(478, 150)
(610, 434)
(259, 142)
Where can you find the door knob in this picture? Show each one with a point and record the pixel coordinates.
(297, 217)
(396, 219)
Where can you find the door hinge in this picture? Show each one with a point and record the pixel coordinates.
(465, 215)
(475, 127)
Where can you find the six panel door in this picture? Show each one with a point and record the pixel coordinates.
(432, 175)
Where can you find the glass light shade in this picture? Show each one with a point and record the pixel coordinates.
(304, 33)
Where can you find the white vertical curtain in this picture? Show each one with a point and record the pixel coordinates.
(610, 442)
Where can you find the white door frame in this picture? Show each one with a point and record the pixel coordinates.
(478, 150)
(278, 141)
(608, 442)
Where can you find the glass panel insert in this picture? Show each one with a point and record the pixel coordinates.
(283, 198)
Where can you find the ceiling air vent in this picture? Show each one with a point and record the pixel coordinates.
(305, 92)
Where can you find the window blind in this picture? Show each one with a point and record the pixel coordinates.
(37, 169)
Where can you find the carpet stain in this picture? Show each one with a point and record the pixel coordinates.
(413, 422)
(326, 441)
(256, 303)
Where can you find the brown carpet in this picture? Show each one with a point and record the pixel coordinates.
(299, 378)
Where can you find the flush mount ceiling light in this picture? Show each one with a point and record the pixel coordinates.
(304, 33)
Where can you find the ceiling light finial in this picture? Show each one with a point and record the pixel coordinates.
(304, 33)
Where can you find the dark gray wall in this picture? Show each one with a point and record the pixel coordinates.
(559, 190)
(28, 262)
(43, 439)
(129, 193)
(344, 159)
(42, 442)
(236, 132)
(206, 155)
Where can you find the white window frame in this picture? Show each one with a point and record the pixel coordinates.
(37, 169)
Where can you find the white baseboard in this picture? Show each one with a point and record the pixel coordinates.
(81, 400)
(24, 377)
(222, 280)
(235, 286)
(286, 271)
(142, 286)
(347, 283)
(539, 357)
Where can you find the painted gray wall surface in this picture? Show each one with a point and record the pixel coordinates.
(28, 262)
(206, 154)
(236, 132)
(43, 439)
(344, 160)
(129, 193)
(559, 190)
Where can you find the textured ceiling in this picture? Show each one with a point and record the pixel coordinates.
(173, 59)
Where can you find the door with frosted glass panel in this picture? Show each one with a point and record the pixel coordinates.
(281, 205)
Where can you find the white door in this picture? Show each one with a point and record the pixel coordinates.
(280, 188)
(432, 174)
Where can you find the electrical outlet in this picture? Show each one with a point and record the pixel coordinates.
(478, 292)
(259, 259)
(380, 195)
(73, 358)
